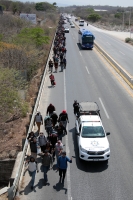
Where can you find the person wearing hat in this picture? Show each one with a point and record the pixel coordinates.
(62, 165)
(46, 162)
(63, 117)
(38, 120)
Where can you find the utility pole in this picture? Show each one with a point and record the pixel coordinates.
(130, 19)
(123, 20)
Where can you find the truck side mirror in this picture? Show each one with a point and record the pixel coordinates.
(108, 133)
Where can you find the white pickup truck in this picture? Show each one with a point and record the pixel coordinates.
(91, 137)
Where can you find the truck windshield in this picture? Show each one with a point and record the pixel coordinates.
(87, 39)
(92, 132)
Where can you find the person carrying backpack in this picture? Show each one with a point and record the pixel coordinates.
(41, 142)
(63, 117)
(38, 120)
(76, 107)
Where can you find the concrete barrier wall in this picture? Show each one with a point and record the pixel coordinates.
(6, 167)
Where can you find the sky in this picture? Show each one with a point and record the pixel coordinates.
(122, 3)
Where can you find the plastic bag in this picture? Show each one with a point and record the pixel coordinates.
(38, 150)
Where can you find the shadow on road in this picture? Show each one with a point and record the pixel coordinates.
(92, 167)
(60, 186)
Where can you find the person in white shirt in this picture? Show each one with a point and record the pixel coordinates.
(32, 168)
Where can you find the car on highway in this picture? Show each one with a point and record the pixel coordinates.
(93, 144)
(71, 23)
(72, 26)
(66, 29)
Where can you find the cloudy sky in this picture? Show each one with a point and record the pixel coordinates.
(124, 3)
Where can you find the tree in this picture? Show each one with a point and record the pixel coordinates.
(44, 6)
(94, 17)
(14, 7)
(54, 4)
(34, 35)
(118, 15)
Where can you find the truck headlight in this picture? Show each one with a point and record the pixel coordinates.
(107, 150)
(83, 150)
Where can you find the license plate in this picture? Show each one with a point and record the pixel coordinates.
(95, 159)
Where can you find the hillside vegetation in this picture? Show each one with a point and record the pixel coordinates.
(24, 48)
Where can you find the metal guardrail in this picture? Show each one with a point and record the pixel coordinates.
(12, 190)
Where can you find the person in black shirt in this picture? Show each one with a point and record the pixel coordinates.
(50, 65)
(63, 117)
(76, 107)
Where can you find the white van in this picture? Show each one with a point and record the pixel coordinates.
(81, 22)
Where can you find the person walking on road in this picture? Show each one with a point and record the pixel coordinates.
(50, 109)
(54, 117)
(76, 107)
(33, 147)
(51, 66)
(52, 79)
(62, 165)
(38, 120)
(58, 149)
(63, 117)
(46, 162)
(32, 168)
(41, 141)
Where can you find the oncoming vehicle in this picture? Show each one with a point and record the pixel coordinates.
(92, 139)
(72, 26)
(81, 22)
(86, 39)
(66, 30)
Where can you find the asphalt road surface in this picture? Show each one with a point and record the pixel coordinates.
(89, 78)
(120, 51)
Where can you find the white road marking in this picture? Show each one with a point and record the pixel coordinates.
(80, 53)
(87, 70)
(108, 43)
(122, 53)
(67, 147)
(104, 108)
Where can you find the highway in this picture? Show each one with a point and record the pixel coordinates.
(89, 78)
(120, 51)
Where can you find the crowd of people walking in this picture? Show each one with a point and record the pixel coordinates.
(59, 52)
(48, 144)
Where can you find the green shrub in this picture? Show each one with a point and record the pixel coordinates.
(24, 109)
(127, 40)
(94, 17)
